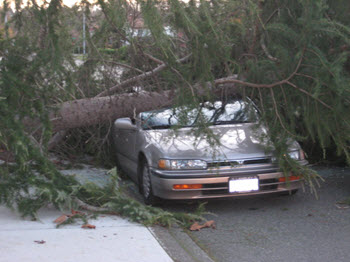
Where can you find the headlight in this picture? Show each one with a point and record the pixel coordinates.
(294, 155)
(182, 164)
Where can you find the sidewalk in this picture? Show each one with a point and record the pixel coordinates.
(114, 239)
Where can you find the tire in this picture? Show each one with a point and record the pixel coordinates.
(146, 185)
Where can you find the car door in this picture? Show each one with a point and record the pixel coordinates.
(125, 133)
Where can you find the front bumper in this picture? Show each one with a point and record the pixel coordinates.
(215, 183)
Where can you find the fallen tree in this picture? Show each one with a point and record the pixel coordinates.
(91, 111)
(291, 59)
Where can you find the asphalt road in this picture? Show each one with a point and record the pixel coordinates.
(280, 228)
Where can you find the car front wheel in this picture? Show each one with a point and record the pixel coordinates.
(146, 185)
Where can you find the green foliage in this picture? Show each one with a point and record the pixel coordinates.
(107, 51)
(120, 53)
(115, 200)
(29, 76)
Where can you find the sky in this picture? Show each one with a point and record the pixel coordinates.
(69, 2)
(72, 2)
(66, 2)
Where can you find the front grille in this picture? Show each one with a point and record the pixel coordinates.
(257, 161)
(235, 163)
(223, 164)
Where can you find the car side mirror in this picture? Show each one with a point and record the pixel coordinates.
(126, 123)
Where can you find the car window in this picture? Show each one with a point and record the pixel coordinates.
(217, 113)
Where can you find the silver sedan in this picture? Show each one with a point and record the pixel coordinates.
(165, 155)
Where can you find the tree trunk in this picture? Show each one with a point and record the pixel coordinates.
(95, 110)
(91, 111)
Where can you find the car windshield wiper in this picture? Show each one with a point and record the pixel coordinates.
(158, 127)
(230, 122)
(166, 127)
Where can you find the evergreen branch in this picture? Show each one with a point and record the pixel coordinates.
(261, 101)
(266, 51)
(307, 76)
(109, 20)
(153, 58)
(307, 93)
(233, 80)
(36, 143)
(284, 95)
(272, 15)
(56, 139)
(121, 64)
(88, 207)
(183, 79)
(140, 77)
(321, 60)
(278, 115)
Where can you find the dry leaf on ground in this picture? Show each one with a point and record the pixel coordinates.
(39, 241)
(61, 219)
(64, 217)
(75, 212)
(197, 227)
(341, 205)
(88, 226)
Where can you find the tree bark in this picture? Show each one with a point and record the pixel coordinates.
(91, 111)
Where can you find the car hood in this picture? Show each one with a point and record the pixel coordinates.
(237, 141)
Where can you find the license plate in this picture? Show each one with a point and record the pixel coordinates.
(243, 184)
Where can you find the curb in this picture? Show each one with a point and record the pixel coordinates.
(179, 246)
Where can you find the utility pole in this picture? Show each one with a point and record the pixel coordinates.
(84, 36)
(6, 19)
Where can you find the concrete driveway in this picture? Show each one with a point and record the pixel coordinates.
(281, 228)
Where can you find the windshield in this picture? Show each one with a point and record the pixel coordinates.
(217, 113)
